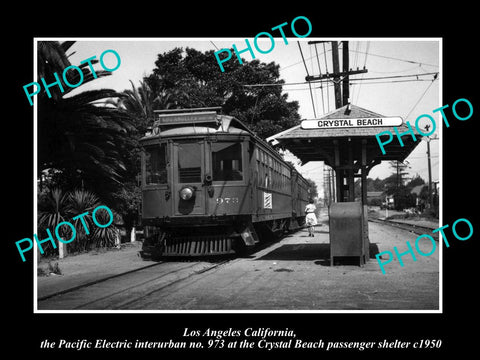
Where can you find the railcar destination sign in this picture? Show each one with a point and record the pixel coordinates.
(351, 123)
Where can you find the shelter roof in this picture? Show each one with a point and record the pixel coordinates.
(318, 144)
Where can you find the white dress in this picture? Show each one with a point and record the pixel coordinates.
(311, 218)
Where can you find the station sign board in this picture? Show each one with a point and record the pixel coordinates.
(351, 123)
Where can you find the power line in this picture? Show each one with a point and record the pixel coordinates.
(415, 76)
(313, 69)
(435, 74)
(421, 97)
(278, 84)
(389, 82)
(355, 64)
(394, 58)
(299, 62)
(321, 83)
(364, 64)
(397, 71)
(309, 85)
(326, 69)
(366, 53)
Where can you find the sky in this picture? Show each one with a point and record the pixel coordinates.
(382, 57)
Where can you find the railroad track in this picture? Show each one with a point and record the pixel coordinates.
(420, 230)
(121, 291)
(124, 289)
(90, 283)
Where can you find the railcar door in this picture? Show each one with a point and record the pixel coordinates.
(189, 164)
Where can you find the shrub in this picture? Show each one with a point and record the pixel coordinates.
(56, 206)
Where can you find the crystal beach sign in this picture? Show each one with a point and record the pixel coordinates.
(351, 123)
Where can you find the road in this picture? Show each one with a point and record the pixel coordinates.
(293, 274)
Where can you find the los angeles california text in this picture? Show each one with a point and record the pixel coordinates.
(266, 339)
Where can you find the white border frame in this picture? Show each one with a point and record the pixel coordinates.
(35, 176)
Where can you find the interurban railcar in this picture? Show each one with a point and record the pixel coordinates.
(211, 186)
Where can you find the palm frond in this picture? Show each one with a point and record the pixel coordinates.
(67, 45)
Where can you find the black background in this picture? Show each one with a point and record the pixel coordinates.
(455, 327)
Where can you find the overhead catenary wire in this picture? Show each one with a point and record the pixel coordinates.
(397, 76)
(326, 69)
(364, 64)
(313, 70)
(398, 59)
(390, 82)
(356, 51)
(309, 85)
(415, 76)
(321, 82)
(355, 64)
(421, 97)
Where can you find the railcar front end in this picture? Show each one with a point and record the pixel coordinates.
(210, 186)
(196, 186)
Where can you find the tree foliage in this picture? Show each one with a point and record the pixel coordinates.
(398, 177)
(195, 78)
(401, 193)
(312, 189)
(56, 206)
(86, 142)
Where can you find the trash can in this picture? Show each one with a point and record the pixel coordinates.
(348, 234)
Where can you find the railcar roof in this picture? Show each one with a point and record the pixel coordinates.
(197, 123)
(201, 121)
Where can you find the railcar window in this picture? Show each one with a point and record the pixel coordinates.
(227, 161)
(189, 162)
(156, 164)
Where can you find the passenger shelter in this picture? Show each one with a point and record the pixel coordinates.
(345, 139)
(352, 151)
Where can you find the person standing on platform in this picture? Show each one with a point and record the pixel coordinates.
(311, 217)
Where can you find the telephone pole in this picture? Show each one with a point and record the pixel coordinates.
(336, 77)
(340, 78)
(430, 199)
(341, 85)
(346, 84)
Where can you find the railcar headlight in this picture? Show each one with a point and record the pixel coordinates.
(187, 193)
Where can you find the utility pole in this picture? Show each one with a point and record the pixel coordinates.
(341, 84)
(346, 84)
(429, 176)
(337, 75)
(336, 78)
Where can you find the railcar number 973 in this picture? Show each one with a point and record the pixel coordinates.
(227, 200)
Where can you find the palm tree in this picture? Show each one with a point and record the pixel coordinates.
(141, 102)
(81, 135)
(55, 206)
(80, 202)
(52, 210)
